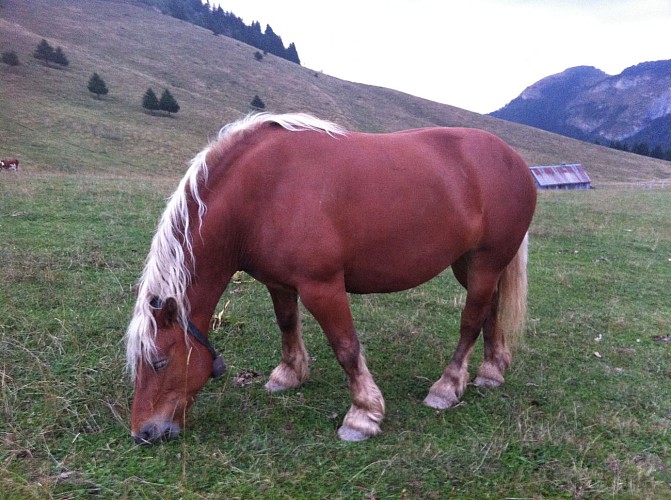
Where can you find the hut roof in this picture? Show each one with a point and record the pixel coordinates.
(571, 176)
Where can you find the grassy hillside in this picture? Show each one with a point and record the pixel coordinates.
(57, 126)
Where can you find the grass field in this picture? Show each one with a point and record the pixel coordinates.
(586, 408)
(585, 411)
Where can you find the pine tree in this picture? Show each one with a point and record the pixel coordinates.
(150, 101)
(292, 54)
(257, 103)
(272, 43)
(168, 103)
(59, 57)
(97, 85)
(44, 51)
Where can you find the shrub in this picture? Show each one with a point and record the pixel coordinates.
(10, 58)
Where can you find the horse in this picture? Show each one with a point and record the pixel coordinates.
(314, 211)
(9, 164)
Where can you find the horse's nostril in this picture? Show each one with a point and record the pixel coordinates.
(151, 433)
(144, 438)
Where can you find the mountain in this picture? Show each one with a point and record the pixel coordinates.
(585, 103)
(54, 125)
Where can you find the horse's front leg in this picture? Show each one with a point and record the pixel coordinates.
(293, 370)
(328, 303)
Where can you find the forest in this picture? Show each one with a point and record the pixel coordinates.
(228, 24)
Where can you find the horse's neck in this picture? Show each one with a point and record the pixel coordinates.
(214, 267)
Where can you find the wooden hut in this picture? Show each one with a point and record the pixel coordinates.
(561, 177)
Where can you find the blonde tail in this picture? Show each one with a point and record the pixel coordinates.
(512, 310)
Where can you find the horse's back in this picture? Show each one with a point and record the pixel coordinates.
(388, 211)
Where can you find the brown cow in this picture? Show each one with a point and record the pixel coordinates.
(9, 164)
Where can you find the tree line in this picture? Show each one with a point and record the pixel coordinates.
(225, 23)
(643, 149)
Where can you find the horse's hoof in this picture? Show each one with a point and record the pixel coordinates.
(489, 376)
(441, 402)
(283, 377)
(486, 382)
(347, 433)
(360, 424)
(273, 386)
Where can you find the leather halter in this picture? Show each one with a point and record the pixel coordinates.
(218, 365)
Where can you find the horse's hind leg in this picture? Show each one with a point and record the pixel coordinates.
(293, 370)
(446, 392)
(497, 356)
(328, 303)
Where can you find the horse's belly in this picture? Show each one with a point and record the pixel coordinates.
(393, 270)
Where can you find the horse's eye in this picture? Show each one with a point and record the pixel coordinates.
(160, 364)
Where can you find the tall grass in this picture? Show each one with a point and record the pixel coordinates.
(585, 411)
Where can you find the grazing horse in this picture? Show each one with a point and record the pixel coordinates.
(314, 211)
(9, 164)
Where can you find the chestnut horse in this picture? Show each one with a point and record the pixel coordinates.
(314, 211)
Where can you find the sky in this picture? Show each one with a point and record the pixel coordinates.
(473, 54)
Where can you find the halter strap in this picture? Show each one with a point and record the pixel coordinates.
(218, 365)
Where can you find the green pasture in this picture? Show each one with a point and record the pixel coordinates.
(585, 411)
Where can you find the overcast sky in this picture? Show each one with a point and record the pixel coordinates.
(474, 54)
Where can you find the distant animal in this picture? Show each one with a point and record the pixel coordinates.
(9, 164)
(314, 211)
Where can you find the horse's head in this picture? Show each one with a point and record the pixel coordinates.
(168, 377)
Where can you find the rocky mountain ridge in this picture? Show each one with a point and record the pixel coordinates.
(586, 103)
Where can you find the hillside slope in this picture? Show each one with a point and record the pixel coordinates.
(56, 125)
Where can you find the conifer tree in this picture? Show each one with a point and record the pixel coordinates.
(257, 103)
(44, 51)
(59, 57)
(292, 54)
(150, 101)
(97, 86)
(168, 103)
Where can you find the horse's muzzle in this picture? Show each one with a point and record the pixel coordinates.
(155, 432)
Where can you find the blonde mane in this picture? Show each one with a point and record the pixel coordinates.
(167, 270)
